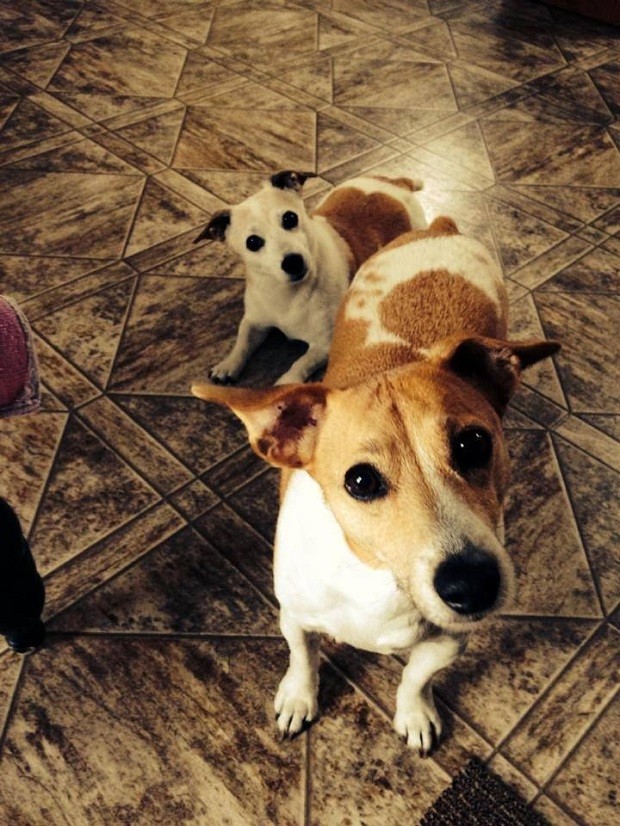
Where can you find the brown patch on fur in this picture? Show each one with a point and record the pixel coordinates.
(451, 305)
(423, 310)
(366, 222)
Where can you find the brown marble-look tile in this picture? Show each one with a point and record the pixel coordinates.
(361, 771)
(505, 667)
(68, 383)
(597, 271)
(162, 747)
(65, 213)
(234, 471)
(156, 135)
(199, 434)
(74, 287)
(539, 272)
(553, 576)
(78, 156)
(553, 153)
(609, 423)
(547, 808)
(384, 14)
(90, 492)
(593, 489)
(183, 586)
(594, 435)
(606, 77)
(586, 325)
(87, 331)
(610, 222)
(513, 777)
(106, 558)
(227, 138)
(28, 123)
(193, 499)
(162, 214)
(338, 142)
(28, 446)
(465, 146)
(118, 72)
(258, 502)
(585, 784)
(36, 22)
(240, 544)
(524, 323)
(202, 261)
(10, 669)
(582, 203)
(539, 408)
(558, 721)
(134, 444)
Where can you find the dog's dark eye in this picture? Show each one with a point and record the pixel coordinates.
(290, 220)
(364, 482)
(254, 243)
(472, 449)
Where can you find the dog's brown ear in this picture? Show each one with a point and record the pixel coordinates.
(289, 179)
(282, 421)
(217, 226)
(495, 366)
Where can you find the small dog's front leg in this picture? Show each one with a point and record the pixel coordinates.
(249, 337)
(416, 717)
(314, 357)
(296, 700)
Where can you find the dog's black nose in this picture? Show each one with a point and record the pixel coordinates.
(294, 266)
(469, 581)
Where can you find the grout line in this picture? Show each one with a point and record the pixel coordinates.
(13, 701)
(306, 779)
(122, 331)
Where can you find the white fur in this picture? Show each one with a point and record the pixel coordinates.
(468, 258)
(306, 309)
(326, 587)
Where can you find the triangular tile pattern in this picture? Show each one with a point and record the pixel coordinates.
(10, 668)
(88, 332)
(161, 709)
(37, 64)
(162, 214)
(337, 142)
(336, 30)
(583, 203)
(78, 156)
(464, 146)
(199, 434)
(606, 78)
(204, 75)
(53, 213)
(185, 586)
(593, 488)
(39, 22)
(25, 276)
(193, 23)
(519, 236)
(27, 123)
(433, 39)
(313, 76)
(157, 135)
(90, 492)
(473, 84)
(553, 574)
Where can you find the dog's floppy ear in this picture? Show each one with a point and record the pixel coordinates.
(289, 179)
(282, 421)
(494, 366)
(217, 226)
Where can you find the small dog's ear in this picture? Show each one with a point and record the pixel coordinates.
(282, 421)
(495, 366)
(217, 226)
(289, 179)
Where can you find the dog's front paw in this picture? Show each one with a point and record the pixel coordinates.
(225, 372)
(418, 724)
(295, 704)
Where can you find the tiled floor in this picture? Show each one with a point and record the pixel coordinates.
(124, 125)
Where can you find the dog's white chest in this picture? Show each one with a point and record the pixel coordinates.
(326, 587)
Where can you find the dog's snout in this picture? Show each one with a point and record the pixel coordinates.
(294, 266)
(469, 581)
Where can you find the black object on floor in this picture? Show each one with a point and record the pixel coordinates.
(22, 594)
(478, 797)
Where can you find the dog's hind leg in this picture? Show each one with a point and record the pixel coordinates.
(296, 700)
(416, 717)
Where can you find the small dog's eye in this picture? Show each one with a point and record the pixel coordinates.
(472, 449)
(254, 243)
(290, 220)
(364, 482)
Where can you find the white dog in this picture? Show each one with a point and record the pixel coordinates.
(298, 266)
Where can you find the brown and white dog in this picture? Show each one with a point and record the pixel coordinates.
(299, 265)
(390, 532)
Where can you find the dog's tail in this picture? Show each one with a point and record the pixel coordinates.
(412, 184)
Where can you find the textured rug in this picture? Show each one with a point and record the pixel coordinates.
(478, 797)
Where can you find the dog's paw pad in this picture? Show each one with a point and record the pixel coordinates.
(294, 706)
(419, 726)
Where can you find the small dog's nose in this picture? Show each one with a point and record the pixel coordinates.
(468, 582)
(294, 266)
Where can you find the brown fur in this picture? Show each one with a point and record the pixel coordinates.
(366, 222)
(405, 183)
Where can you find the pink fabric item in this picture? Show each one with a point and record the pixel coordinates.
(19, 378)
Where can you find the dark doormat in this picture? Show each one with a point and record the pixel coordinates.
(478, 797)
